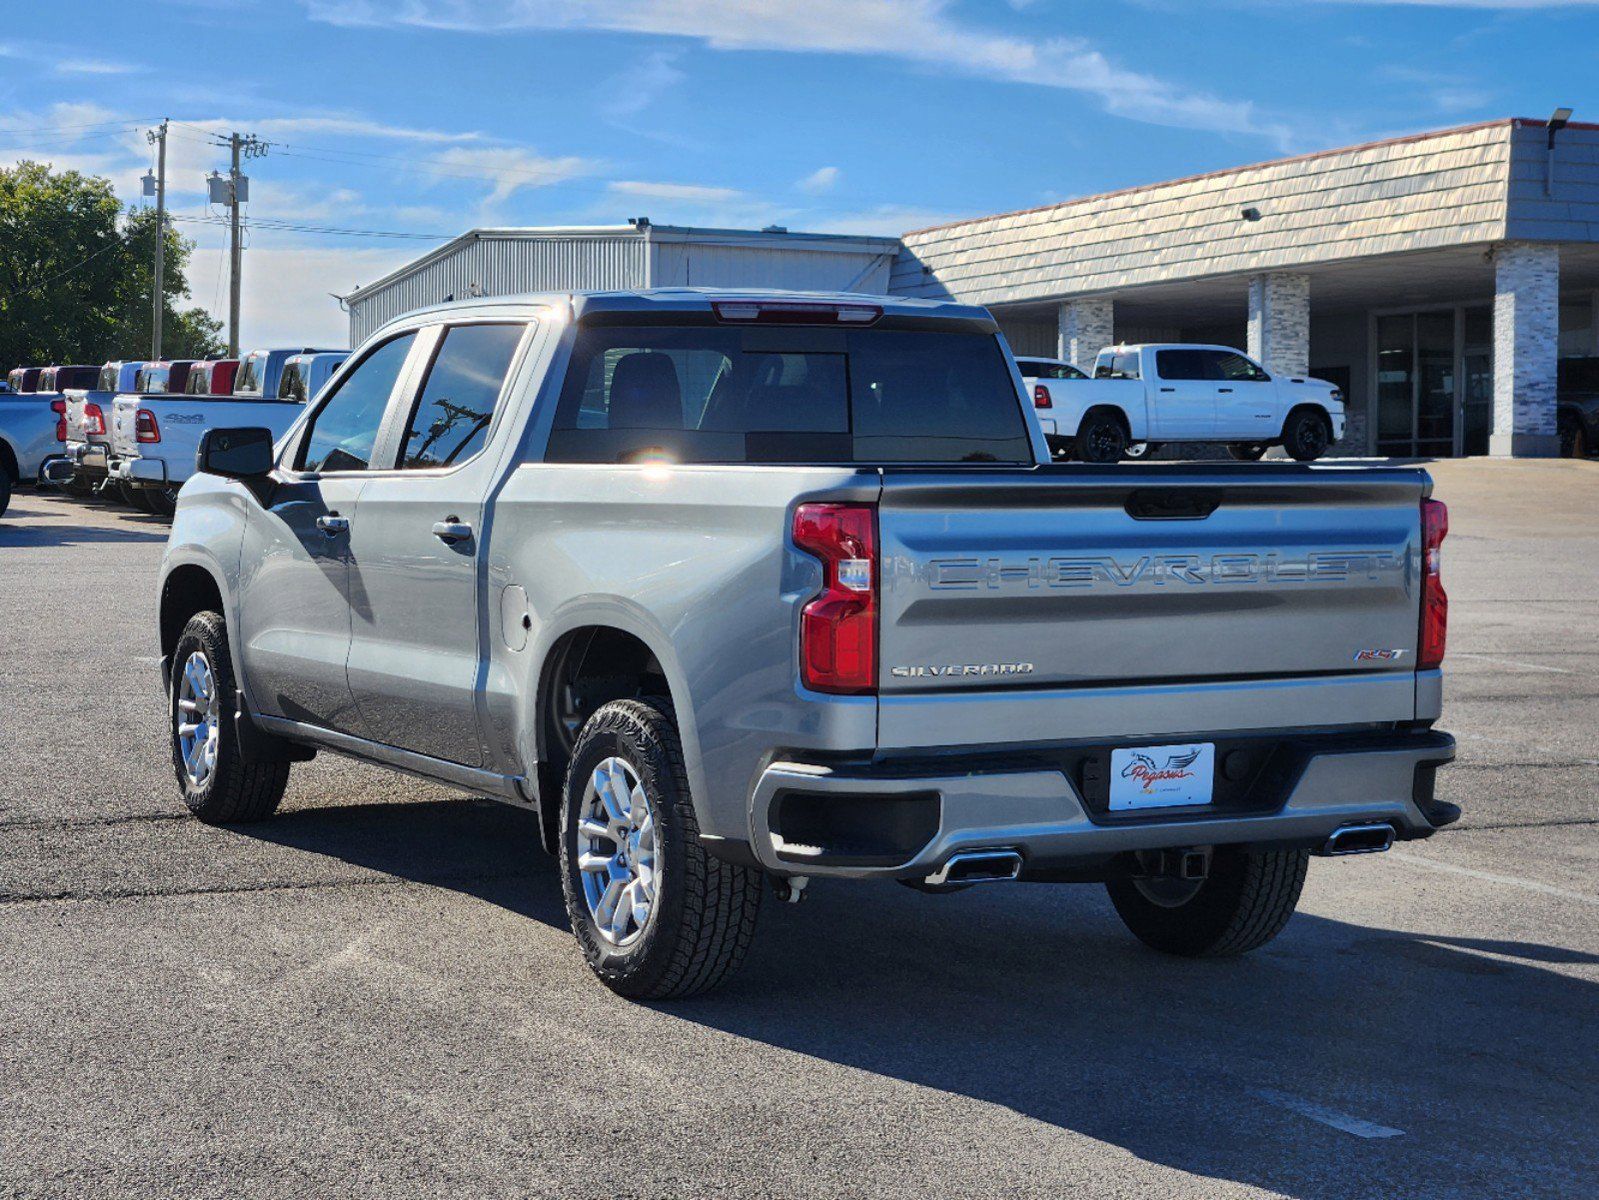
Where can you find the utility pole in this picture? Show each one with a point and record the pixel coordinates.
(158, 300)
(234, 193)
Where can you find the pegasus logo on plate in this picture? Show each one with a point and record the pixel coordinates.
(1144, 771)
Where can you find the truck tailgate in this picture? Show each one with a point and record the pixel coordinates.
(124, 431)
(1079, 603)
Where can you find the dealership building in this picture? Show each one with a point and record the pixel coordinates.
(1437, 279)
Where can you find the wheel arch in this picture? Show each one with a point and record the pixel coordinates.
(587, 663)
(186, 589)
(1300, 406)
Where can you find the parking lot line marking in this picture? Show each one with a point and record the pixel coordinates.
(1515, 662)
(1531, 885)
(1327, 1116)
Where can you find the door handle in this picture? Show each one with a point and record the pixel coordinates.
(1168, 389)
(452, 530)
(1225, 391)
(332, 524)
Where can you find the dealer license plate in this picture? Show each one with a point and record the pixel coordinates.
(1162, 776)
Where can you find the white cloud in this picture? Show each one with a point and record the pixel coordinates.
(637, 88)
(96, 66)
(509, 168)
(917, 31)
(692, 192)
(823, 179)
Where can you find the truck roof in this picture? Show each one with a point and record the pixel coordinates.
(684, 299)
(1130, 347)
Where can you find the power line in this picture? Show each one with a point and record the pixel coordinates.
(278, 225)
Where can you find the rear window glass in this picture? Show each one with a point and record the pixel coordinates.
(714, 394)
(1118, 365)
(252, 375)
(1039, 369)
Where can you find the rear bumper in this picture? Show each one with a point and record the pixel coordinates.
(149, 472)
(904, 821)
(91, 456)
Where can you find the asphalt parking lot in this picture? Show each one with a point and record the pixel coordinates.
(375, 994)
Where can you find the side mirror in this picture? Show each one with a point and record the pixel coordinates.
(235, 453)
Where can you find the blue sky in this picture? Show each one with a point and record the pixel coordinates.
(426, 117)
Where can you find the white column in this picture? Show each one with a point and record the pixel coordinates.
(1279, 322)
(1526, 348)
(1084, 328)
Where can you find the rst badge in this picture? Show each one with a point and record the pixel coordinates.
(1379, 654)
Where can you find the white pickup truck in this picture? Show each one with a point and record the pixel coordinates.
(154, 437)
(1160, 393)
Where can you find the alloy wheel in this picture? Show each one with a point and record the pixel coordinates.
(196, 720)
(617, 852)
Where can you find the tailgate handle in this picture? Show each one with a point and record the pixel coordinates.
(1173, 504)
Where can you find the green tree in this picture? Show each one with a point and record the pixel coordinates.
(76, 272)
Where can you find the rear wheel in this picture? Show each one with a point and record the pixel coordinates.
(1306, 435)
(1242, 904)
(655, 915)
(1247, 451)
(6, 485)
(218, 785)
(163, 500)
(134, 497)
(1102, 438)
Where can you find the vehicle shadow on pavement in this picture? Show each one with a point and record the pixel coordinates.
(480, 848)
(1034, 999)
(22, 525)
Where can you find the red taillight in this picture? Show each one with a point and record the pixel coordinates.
(1434, 600)
(145, 428)
(838, 629)
(59, 407)
(93, 420)
(1041, 397)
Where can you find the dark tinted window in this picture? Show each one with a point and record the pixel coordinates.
(1231, 367)
(717, 394)
(451, 419)
(1034, 368)
(1579, 375)
(108, 379)
(291, 384)
(1182, 364)
(345, 429)
(199, 381)
(252, 374)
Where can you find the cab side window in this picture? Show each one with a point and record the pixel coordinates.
(450, 421)
(345, 428)
(1230, 367)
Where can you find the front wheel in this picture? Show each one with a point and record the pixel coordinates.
(656, 916)
(1241, 905)
(1573, 441)
(218, 785)
(1306, 435)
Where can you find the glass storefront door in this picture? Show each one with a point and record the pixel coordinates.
(1434, 382)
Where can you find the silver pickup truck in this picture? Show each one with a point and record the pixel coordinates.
(679, 572)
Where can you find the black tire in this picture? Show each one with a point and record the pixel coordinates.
(78, 486)
(6, 486)
(1247, 451)
(1244, 903)
(704, 911)
(1573, 441)
(235, 790)
(1101, 438)
(134, 497)
(1306, 435)
(1139, 450)
(163, 500)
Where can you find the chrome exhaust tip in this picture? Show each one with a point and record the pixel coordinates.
(977, 866)
(1372, 838)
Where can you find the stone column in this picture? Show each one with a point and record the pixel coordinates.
(1526, 348)
(1084, 328)
(1279, 322)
